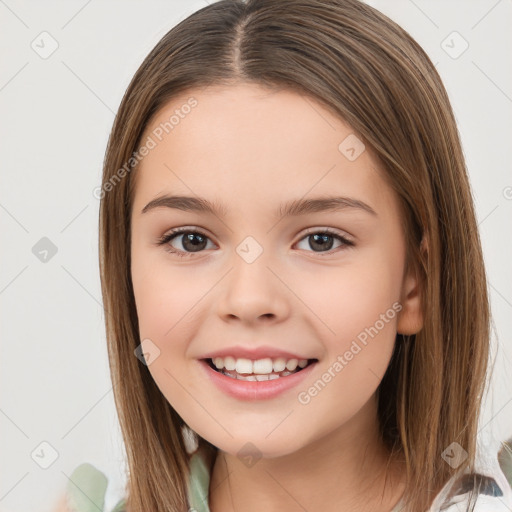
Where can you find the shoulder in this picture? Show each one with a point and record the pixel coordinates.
(486, 489)
(482, 504)
(85, 491)
(491, 492)
(199, 481)
(86, 488)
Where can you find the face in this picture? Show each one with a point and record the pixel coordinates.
(320, 283)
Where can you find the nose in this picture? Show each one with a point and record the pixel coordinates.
(253, 293)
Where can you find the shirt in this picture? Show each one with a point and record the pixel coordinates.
(87, 487)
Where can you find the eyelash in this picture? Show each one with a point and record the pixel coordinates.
(165, 239)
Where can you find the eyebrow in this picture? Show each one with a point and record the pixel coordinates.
(290, 208)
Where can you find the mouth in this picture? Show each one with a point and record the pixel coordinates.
(269, 375)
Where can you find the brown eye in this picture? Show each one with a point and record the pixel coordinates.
(190, 240)
(323, 241)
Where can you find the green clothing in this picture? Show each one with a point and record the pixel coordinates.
(87, 486)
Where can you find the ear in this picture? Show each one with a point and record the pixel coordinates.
(410, 320)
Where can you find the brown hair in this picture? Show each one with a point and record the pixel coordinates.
(373, 75)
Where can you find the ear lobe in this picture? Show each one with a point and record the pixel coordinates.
(410, 320)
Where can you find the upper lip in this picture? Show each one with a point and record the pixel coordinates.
(254, 353)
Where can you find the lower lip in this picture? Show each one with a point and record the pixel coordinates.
(255, 390)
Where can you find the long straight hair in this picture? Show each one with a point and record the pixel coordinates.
(367, 70)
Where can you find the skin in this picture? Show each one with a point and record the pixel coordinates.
(250, 149)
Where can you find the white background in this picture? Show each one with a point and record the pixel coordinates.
(56, 114)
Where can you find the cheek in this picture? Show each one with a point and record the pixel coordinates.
(350, 298)
(362, 310)
(164, 296)
(165, 302)
(358, 306)
(170, 302)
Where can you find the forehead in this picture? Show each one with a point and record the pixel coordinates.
(245, 143)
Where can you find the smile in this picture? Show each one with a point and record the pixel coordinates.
(250, 385)
(257, 370)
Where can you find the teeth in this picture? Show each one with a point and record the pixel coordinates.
(259, 367)
(243, 366)
(279, 364)
(270, 376)
(292, 364)
(229, 363)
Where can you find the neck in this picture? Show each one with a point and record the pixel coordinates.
(347, 469)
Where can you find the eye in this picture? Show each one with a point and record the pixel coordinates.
(323, 240)
(194, 241)
(190, 240)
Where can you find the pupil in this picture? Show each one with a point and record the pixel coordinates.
(322, 240)
(195, 246)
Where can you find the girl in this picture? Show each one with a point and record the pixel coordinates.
(297, 311)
